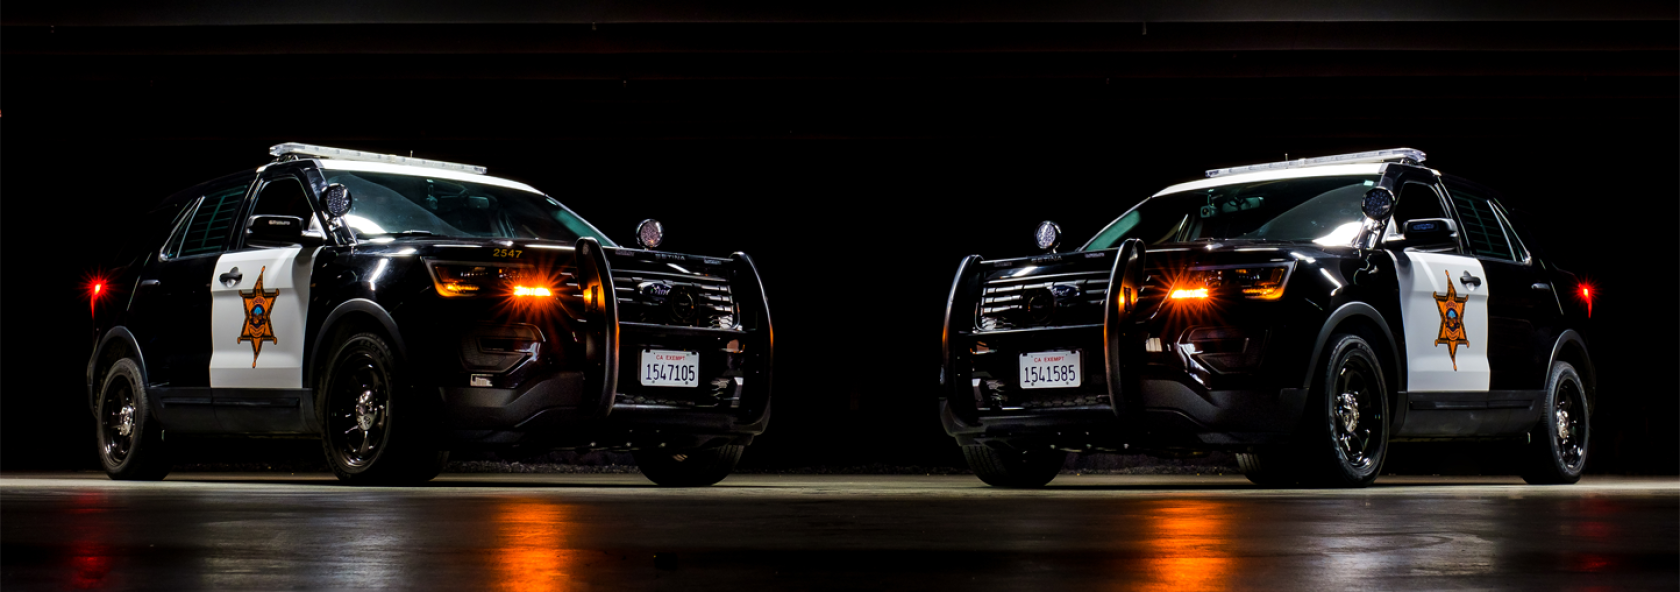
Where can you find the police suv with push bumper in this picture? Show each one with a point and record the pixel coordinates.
(1302, 314)
(399, 308)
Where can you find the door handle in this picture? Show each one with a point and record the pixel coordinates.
(1469, 280)
(1542, 286)
(232, 277)
(150, 283)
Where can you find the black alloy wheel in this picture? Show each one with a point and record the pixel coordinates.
(1557, 448)
(365, 442)
(1347, 442)
(130, 443)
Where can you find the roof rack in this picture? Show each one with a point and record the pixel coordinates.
(1403, 155)
(294, 149)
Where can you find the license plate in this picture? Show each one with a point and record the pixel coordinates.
(1052, 369)
(670, 368)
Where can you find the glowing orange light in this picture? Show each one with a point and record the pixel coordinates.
(1183, 294)
(531, 291)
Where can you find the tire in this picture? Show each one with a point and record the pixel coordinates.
(1557, 449)
(1344, 436)
(1269, 467)
(130, 440)
(998, 468)
(692, 468)
(375, 431)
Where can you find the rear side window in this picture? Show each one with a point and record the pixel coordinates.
(214, 220)
(1479, 225)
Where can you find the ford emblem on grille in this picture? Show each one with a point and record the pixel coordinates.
(654, 291)
(1065, 291)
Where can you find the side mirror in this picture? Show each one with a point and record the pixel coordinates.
(337, 200)
(1048, 236)
(1426, 233)
(650, 234)
(282, 230)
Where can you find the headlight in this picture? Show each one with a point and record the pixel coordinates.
(466, 280)
(1255, 282)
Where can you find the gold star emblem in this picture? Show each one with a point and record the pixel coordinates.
(1452, 320)
(258, 304)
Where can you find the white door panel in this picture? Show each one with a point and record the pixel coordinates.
(1446, 322)
(257, 324)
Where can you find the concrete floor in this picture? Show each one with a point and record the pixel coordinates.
(603, 532)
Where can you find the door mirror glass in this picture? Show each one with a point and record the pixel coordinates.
(1426, 233)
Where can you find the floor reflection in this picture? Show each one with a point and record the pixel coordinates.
(1188, 546)
(533, 555)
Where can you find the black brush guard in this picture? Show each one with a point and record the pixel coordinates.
(605, 345)
(1126, 278)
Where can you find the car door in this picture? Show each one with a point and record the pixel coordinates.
(1444, 314)
(1518, 314)
(171, 309)
(259, 297)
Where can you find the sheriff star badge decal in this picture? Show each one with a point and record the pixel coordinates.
(1452, 334)
(258, 304)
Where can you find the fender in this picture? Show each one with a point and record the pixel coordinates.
(1361, 309)
(119, 333)
(1570, 336)
(353, 305)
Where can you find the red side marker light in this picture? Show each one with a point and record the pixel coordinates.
(1586, 294)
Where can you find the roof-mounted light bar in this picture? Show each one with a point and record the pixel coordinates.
(1405, 155)
(296, 149)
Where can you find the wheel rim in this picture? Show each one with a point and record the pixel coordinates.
(360, 411)
(1569, 425)
(1356, 411)
(117, 422)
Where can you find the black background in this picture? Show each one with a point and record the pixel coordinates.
(857, 155)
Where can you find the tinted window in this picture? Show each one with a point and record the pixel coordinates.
(211, 224)
(1323, 210)
(283, 197)
(1417, 201)
(1478, 224)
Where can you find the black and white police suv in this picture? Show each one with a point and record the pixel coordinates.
(1302, 314)
(399, 308)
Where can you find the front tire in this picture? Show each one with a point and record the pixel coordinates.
(1345, 435)
(1557, 449)
(130, 440)
(1033, 468)
(376, 431)
(693, 468)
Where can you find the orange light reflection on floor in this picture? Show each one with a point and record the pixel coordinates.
(1186, 547)
(533, 556)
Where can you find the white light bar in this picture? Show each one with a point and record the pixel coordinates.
(1405, 155)
(295, 148)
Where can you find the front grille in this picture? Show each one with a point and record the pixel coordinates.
(1041, 301)
(674, 299)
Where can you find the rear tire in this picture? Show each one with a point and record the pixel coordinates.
(693, 468)
(130, 440)
(997, 468)
(376, 432)
(1557, 449)
(1345, 434)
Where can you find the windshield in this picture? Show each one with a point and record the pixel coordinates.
(387, 204)
(1323, 210)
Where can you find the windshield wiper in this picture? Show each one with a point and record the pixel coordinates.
(404, 234)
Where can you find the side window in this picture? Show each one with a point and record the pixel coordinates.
(1478, 224)
(284, 196)
(178, 229)
(1416, 201)
(1519, 251)
(213, 221)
